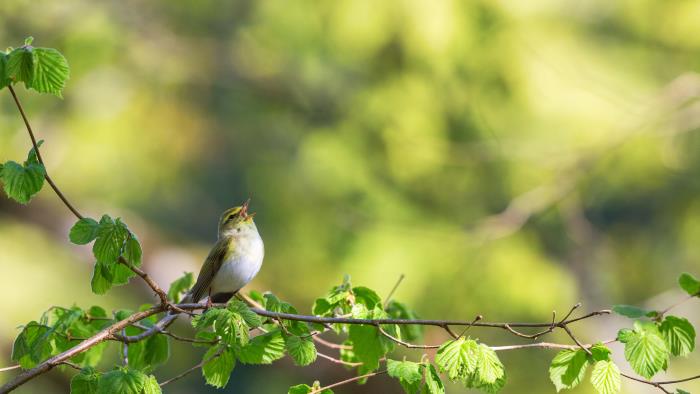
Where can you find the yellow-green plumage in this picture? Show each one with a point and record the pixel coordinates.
(235, 258)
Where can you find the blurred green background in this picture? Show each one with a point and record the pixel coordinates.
(509, 157)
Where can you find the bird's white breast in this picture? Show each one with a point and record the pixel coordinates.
(241, 266)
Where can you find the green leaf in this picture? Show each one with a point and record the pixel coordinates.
(409, 332)
(32, 345)
(132, 250)
(302, 351)
(50, 71)
(646, 350)
(180, 286)
(489, 367)
(689, 284)
(21, 183)
(4, 77)
(679, 391)
(606, 377)
(306, 389)
(366, 296)
(262, 349)
(218, 370)
(408, 373)
(600, 352)
(86, 382)
(366, 345)
(84, 231)
(433, 383)
(632, 311)
(111, 237)
(151, 386)
(20, 65)
(149, 353)
(458, 358)
(105, 275)
(251, 318)
(568, 368)
(122, 380)
(679, 335)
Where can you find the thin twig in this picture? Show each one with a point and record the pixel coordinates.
(346, 381)
(393, 290)
(194, 368)
(403, 343)
(337, 361)
(331, 344)
(10, 368)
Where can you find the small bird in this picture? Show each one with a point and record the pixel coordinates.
(234, 260)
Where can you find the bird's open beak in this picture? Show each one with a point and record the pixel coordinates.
(244, 209)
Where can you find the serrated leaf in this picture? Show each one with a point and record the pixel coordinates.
(132, 250)
(631, 311)
(366, 345)
(689, 284)
(21, 183)
(306, 389)
(568, 368)
(20, 65)
(433, 383)
(679, 335)
(366, 296)
(262, 349)
(458, 358)
(122, 380)
(106, 275)
(84, 231)
(600, 352)
(111, 237)
(408, 373)
(409, 332)
(85, 382)
(149, 353)
(50, 71)
(218, 370)
(251, 318)
(646, 350)
(302, 350)
(32, 345)
(489, 367)
(151, 386)
(605, 377)
(180, 286)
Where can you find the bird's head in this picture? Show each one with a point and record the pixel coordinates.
(236, 221)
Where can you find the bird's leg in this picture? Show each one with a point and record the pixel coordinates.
(208, 301)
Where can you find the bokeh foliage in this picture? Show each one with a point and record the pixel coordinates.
(375, 139)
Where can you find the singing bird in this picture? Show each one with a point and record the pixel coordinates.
(234, 260)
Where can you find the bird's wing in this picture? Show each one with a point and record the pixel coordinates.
(210, 267)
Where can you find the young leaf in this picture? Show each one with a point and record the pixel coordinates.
(646, 350)
(122, 380)
(489, 367)
(21, 183)
(689, 284)
(20, 65)
(410, 332)
(151, 386)
(110, 239)
(568, 368)
(679, 335)
(458, 358)
(32, 345)
(366, 296)
(86, 382)
(302, 351)
(408, 373)
(84, 231)
(632, 311)
(132, 250)
(433, 383)
(262, 349)
(147, 354)
(50, 71)
(306, 389)
(4, 77)
(606, 377)
(218, 370)
(251, 318)
(366, 345)
(180, 286)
